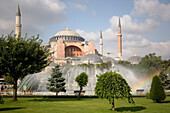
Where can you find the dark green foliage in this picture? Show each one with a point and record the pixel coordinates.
(125, 63)
(151, 63)
(20, 57)
(164, 74)
(56, 82)
(164, 79)
(157, 93)
(82, 80)
(147, 95)
(112, 85)
(9, 79)
(1, 100)
(104, 65)
(87, 65)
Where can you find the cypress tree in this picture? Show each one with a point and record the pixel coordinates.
(157, 93)
(56, 82)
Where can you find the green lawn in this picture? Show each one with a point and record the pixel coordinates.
(85, 105)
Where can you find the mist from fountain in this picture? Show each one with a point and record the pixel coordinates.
(37, 82)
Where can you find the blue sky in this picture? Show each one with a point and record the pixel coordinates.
(145, 23)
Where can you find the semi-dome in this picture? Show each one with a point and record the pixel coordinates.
(52, 64)
(108, 59)
(91, 58)
(67, 35)
(135, 59)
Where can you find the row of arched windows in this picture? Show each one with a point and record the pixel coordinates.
(71, 38)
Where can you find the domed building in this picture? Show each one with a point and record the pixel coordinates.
(134, 59)
(91, 58)
(69, 46)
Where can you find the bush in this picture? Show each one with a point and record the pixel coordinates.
(1, 100)
(147, 95)
(157, 93)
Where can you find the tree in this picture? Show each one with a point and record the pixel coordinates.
(150, 63)
(56, 82)
(111, 85)
(20, 57)
(164, 79)
(157, 93)
(82, 80)
(9, 79)
(163, 75)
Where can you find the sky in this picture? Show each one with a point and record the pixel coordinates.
(145, 23)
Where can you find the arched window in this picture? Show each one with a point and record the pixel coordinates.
(73, 51)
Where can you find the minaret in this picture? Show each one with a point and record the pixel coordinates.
(101, 43)
(18, 23)
(119, 36)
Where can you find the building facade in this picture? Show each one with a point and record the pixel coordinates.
(68, 47)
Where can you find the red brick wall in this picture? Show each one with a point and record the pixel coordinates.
(60, 49)
(91, 47)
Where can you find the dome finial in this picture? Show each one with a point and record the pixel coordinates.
(67, 27)
(135, 54)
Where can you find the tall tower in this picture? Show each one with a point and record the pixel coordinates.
(101, 43)
(119, 36)
(18, 23)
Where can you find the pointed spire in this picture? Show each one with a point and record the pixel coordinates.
(18, 11)
(119, 23)
(100, 33)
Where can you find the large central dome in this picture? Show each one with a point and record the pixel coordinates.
(67, 35)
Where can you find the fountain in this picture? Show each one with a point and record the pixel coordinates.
(37, 82)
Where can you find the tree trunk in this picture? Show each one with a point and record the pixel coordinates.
(56, 93)
(113, 105)
(15, 90)
(80, 93)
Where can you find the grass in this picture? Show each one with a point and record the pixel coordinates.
(85, 105)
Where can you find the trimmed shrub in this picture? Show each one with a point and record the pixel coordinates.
(157, 92)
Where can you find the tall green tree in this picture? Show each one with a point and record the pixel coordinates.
(82, 80)
(150, 63)
(164, 78)
(111, 86)
(20, 57)
(157, 93)
(56, 82)
(164, 74)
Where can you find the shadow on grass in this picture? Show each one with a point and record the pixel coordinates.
(133, 109)
(166, 101)
(55, 99)
(10, 108)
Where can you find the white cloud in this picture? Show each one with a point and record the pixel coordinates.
(78, 6)
(132, 42)
(152, 8)
(5, 24)
(133, 26)
(88, 36)
(35, 14)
